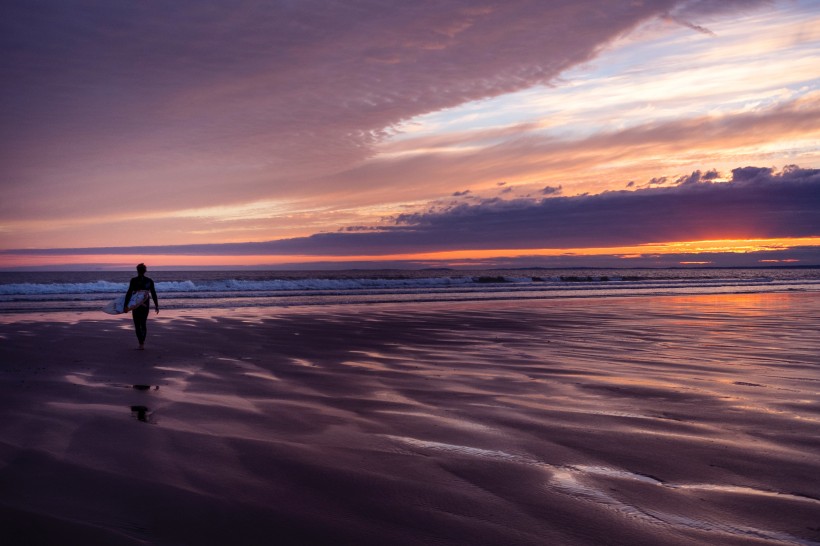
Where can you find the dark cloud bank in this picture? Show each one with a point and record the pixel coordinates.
(755, 203)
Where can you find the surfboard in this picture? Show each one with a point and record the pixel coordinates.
(117, 306)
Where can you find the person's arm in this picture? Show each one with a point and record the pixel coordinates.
(154, 297)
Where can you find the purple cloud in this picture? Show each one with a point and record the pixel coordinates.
(755, 203)
(698, 176)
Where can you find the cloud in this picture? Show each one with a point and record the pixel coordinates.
(639, 149)
(757, 203)
(196, 104)
(698, 176)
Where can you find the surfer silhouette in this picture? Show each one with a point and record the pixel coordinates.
(140, 313)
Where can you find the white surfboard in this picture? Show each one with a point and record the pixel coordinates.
(117, 306)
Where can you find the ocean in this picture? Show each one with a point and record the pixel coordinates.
(42, 292)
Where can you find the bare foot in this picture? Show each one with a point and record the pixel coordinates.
(141, 347)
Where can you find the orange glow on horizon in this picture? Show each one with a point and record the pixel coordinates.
(625, 253)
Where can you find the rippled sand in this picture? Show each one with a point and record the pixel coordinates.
(661, 420)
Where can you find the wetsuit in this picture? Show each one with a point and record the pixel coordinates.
(140, 314)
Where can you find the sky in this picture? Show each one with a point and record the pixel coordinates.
(378, 133)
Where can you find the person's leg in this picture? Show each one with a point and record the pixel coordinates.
(140, 315)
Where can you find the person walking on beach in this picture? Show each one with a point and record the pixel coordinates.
(140, 313)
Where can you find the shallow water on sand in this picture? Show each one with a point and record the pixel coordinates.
(669, 420)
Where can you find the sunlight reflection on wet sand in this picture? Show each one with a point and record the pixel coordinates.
(682, 420)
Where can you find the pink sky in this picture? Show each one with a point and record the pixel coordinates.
(381, 131)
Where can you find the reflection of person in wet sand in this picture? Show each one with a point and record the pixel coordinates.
(140, 314)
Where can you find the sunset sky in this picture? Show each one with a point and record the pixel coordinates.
(462, 133)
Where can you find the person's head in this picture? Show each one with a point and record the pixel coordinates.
(141, 269)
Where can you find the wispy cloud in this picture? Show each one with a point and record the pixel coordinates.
(634, 152)
(192, 105)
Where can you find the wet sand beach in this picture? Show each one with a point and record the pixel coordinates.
(643, 420)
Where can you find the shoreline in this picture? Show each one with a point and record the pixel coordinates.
(500, 301)
(664, 420)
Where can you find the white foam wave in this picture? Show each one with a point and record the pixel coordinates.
(237, 285)
(96, 287)
(417, 284)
